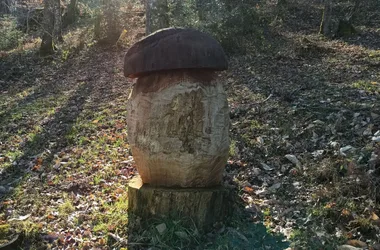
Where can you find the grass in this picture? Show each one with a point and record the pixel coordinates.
(66, 208)
(368, 86)
(233, 149)
(65, 152)
(182, 234)
(51, 132)
(116, 216)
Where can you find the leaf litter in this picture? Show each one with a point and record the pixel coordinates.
(306, 156)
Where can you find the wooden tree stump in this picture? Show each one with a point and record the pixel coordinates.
(178, 127)
(202, 206)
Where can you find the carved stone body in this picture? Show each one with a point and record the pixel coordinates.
(178, 124)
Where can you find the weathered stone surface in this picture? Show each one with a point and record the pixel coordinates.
(178, 129)
(201, 206)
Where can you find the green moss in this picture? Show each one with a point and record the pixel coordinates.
(255, 124)
(233, 148)
(4, 230)
(116, 216)
(66, 207)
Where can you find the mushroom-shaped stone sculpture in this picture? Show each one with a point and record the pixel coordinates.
(178, 116)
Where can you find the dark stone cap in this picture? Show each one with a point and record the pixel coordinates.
(174, 48)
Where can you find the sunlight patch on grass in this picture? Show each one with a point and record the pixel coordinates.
(368, 86)
(114, 215)
(66, 207)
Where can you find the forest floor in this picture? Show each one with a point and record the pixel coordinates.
(304, 158)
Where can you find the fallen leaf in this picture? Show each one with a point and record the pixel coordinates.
(330, 205)
(344, 150)
(248, 190)
(102, 241)
(36, 167)
(161, 228)
(51, 217)
(374, 216)
(7, 202)
(345, 212)
(39, 161)
(376, 138)
(266, 167)
(119, 190)
(20, 218)
(293, 159)
(274, 187)
(182, 235)
(116, 237)
(347, 247)
(356, 243)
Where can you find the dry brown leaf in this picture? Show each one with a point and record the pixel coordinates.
(249, 190)
(51, 217)
(102, 241)
(36, 167)
(374, 216)
(39, 161)
(119, 190)
(356, 243)
(345, 212)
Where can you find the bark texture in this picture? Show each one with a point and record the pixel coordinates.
(203, 206)
(178, 129)
(325, 27)
(72, 11)
(48, 28)
(156, 15)
(148, 17)
(58, 21)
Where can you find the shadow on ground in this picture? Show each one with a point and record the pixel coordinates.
(318, 93)
(242, 230)
(52, 137)
(39, 125)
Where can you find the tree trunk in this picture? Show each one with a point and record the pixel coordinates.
(280, 10)
(200, 206)
(97, 25)
(179, 16)
(326, 19)
(156, 15)
(58, 21)
(4, 6)
(111, 16)
(163, 11)
(72, 11)
(148, 17)
(354, 10)
(48, 28)
(200, 5)
(345, 26)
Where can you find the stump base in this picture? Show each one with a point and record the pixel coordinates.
(202, 206)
